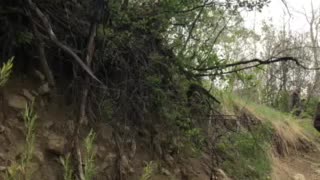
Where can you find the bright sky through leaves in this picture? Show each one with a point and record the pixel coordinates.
(278, 13)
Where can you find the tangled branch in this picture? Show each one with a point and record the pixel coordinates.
(55, 40)
(253, 63)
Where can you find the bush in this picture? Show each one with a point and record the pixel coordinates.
(282, 103)
(246, 153)
(310, 108)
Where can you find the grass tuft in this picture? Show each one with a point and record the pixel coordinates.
(23, 170)
(148, 171)
(67, 167)
(89, 160)
(5, 71)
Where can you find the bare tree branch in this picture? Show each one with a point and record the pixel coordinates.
(287, 7)
(54, 39)
(206, 4)
(255, 63)
(193, 25)
(42, 56)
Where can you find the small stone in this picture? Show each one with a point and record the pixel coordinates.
(39, 156)
(2, 168)
(44, 89)
(169, 159)
(177, 171)
(222, 175)
(131, 170)
(299, 177)
(2, 156)
(17, 102)
(165, 172)
(26, 93)
(2, 129)
(56, 144)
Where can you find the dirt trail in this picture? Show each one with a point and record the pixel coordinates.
(297, 167)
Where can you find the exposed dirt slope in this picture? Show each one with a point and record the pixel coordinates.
(297, 167)
(53, 131)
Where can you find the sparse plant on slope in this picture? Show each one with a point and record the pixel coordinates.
(67, 167)
(89, 158)
(22, 170)
(88, 161)
(148, 171)
(5, 71)
(30, 118)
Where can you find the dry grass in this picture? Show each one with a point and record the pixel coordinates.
(289, 135)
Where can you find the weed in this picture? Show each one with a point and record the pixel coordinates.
(67, 167)
(89, 160)
(5, 71)
(22, 170)
(246, 154)
(148, 171)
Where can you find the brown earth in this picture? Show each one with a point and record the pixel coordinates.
(54, 127)
(297, 167)
(53, 131)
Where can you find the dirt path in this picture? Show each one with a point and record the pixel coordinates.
(299, 167)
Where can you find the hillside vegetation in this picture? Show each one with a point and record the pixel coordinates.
(266, 136)
(155, 89)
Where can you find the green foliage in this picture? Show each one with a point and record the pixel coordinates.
(13, 172)
(193, 134)
(310, 108)
(5, 71)
(88, 161)
(283, 101)
(247, 153)
(148, 171)
(67, 167)
(261, 111)
(89, 158)
(30, 118)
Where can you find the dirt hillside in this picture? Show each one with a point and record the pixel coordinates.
(55, 124)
